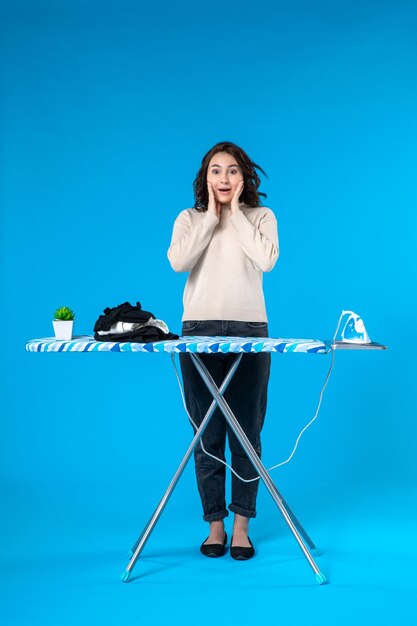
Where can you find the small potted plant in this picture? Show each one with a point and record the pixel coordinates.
(63, 322)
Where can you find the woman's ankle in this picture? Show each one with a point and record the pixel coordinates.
(240, 524)
(217, 532)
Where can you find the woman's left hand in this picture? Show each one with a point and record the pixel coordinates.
(234, 205)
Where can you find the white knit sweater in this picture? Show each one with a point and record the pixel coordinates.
(226, 258)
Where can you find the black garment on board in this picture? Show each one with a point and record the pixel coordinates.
(134, 314)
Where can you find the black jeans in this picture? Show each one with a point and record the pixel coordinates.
(247, 398)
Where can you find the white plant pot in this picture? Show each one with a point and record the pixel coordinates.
(63, 329)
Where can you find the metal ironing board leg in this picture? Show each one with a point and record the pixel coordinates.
(144, 536)
(297, 524)
(288, 515)
(255, 460)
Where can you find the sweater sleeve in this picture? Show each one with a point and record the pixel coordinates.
(187, 243)
(259, 244)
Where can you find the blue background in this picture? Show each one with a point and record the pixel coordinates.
(106, 112)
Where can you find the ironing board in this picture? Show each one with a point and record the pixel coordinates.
(196, 345)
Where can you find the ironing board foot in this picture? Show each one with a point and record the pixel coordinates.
(321, 578)
(125, 576)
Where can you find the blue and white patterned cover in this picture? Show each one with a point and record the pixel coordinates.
(208, 345)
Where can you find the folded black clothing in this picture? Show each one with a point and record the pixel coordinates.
(122, 313)
(146, 334)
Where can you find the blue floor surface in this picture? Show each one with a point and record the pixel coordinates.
(62, 567)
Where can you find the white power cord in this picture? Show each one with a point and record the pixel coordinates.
(249, 480)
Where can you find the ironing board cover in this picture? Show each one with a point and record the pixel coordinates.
(198, 343)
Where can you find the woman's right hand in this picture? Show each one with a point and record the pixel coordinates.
(213, 205)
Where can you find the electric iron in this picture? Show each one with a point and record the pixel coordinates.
(351, 329)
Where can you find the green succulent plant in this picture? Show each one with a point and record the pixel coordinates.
(64, 313)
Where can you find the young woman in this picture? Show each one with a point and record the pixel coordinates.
(226, 242)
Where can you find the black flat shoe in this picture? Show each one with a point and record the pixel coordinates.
(241, 553)
(213, 549)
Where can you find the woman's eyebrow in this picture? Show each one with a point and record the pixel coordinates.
(215, 165)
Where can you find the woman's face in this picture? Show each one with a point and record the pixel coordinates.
(224, 174)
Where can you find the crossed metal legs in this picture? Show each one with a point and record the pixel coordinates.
(218, 400)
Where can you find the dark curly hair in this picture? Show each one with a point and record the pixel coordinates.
(250, 194)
